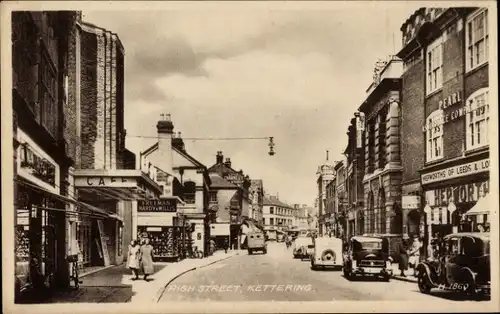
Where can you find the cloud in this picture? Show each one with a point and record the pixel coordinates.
(295, 75)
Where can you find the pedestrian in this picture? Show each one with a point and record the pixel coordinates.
(403, 255)
(133, 258)
(414, 254)
(226, 245)
(147, 265)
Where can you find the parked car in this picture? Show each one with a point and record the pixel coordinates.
(367, 256)
(302, 247)
(327, 252)
(256, 241)
(462, 265)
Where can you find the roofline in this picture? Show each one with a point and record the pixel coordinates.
(150, 149)
(86, 25)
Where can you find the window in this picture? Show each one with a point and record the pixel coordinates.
(434, 143)
(48, 94)
(435, 66)
(271, 221)
(190, 192)
(271, 210)
(477, 39)
(213, 197)
(477, 119)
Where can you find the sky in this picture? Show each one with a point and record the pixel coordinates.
(233, 71)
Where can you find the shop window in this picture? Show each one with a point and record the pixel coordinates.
(477, 39)
(477, 119)
(434, 140)
(434, 68)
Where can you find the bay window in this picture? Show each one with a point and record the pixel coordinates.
(477, 119)
(434, 68)
(477, 39)
(434, 138)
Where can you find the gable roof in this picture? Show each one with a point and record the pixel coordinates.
(150, 149)
(188, 157)
(220, 182)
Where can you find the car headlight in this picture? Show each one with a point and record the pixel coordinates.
(354, 264)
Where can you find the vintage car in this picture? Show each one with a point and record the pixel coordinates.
(302, 247)
(256, 241)
(462, 264)
(327, 252)
(367, 256)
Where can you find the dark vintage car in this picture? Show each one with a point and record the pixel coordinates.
(367, 256)
(462, 264)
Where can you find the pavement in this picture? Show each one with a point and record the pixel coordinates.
(116, 284)
(277, 276)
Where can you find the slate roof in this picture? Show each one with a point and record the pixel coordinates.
(220, 182)
(273, 201)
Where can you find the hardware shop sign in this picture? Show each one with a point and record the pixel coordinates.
(158, 205)
(457, 171)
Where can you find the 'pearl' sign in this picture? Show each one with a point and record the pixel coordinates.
(456, 171)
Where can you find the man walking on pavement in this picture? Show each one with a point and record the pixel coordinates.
(226, 245)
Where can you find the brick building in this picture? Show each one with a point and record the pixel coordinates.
(256, 197)
(445, 110)
(104, 173)
(340, 223)
(239, 208)
(44, 148)
(382, 159)
(355, 169)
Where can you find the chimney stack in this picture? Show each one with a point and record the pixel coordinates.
(165, 129)
(178, 142)
(219, 158)
(228, 162)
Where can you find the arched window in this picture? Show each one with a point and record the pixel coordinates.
(477, 119)
(371, 214)
(434, 135)
(382, 211)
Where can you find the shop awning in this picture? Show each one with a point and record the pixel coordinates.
(115, 184)
(94, 211)
(483, 206)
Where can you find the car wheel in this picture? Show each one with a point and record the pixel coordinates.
(313, 266)
(264, 251)
(386, 278)
(423, 284)
(249, 252)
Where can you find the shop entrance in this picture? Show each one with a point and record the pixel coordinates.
(413, 222)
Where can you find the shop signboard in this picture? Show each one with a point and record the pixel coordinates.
(167, 205)
(463, 193)
(36, 165)
(458, 171)
(220, 229)
(411, 202)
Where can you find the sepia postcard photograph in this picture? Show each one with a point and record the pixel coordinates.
(249, 156)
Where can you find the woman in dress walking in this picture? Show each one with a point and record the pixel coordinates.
(147, 259)
(133, 258)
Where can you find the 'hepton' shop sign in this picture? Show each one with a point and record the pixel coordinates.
(456, 171)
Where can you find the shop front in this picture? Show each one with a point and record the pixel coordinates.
(103, 241)
(450, 193)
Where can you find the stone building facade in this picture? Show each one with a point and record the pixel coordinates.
(382, 174)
